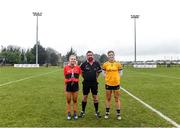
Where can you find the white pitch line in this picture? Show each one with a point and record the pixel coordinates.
(152, 109)
(15, 81)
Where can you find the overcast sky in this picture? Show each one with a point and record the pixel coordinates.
(97, 25)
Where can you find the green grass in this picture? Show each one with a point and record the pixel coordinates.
(40, 101)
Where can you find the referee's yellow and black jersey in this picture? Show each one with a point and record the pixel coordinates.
(112, 77)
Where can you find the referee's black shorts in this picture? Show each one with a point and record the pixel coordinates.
(87, 87)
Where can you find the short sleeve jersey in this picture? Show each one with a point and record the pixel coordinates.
(89, 72)
(112, 77)
(71, 74)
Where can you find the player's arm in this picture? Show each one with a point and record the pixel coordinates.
(103, 73)
(104, 70)
(99, 70)
(98, 73)
(120, 70)
(65, 85)
(64, 79)
(82, 69)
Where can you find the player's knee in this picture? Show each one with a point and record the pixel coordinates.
(116, 99)
(95, 100)
(68, 101)
(85, 99)
(108, 98)
(75, 100)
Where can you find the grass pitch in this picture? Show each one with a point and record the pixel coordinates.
(35, 97)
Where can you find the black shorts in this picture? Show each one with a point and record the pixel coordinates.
(108, 87)
(72, 87)
(87, 87)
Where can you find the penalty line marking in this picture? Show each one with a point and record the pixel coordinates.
(153, 109)
(26, 78)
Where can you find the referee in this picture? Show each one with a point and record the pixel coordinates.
(90, 72)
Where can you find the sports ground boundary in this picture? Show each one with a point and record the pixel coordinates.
(130, 94)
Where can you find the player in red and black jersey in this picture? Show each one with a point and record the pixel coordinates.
(71, 74)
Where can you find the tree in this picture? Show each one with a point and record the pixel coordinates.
(14, 54)
(81, 59)
(3, 55)
(13, 58)
(71, 52)
(11, 54)
(23, 57)
(97, 57)
(30, 56)
(103, 58)
(64, 58)
(54, 59)
(52, 56)
(41, 54)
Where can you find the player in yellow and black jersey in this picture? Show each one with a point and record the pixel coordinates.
(112, 71)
